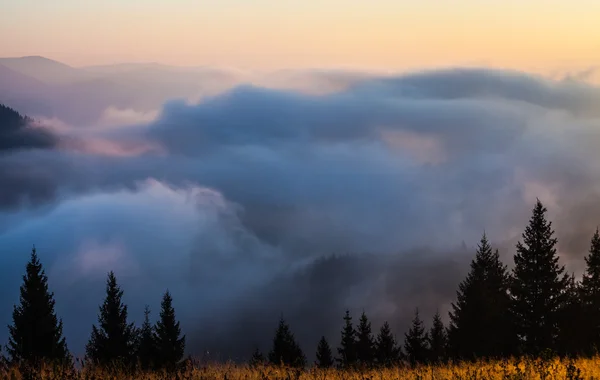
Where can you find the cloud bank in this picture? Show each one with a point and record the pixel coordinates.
(238, 202)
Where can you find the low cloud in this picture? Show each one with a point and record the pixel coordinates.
(237, 203)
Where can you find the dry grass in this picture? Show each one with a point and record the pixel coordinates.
(511, 369)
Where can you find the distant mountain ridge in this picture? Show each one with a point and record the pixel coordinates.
(50, 89)
(44, 69)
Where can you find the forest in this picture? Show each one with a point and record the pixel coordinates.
(536, 311)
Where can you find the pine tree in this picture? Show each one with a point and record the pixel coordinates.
(347, 350)
(170, 345)
(286, 350)
(36, 333)
(3, 363)
(482, 309)
(113, 342)
(257, 359)
(438, 341)
(574, 333)
(324, 355)
(415, 342)
(387, 352)
(146, 345)
(590, 289)
(364, 345)
(538, 285)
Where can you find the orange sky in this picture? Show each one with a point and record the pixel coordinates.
(267, 34)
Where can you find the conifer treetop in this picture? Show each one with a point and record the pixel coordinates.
(169, 341)
(285, 349)
(113, 340)
(324, 354)
(36, 332)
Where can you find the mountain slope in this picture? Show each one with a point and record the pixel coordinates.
(16, 132)
(44, 69)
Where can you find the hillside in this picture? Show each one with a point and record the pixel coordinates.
(44, 69)
(16, 132)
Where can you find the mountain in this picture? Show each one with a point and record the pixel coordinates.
(81, 96)
(44, 69)
(16, 83)
(17, 133)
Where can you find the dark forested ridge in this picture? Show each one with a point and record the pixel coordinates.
(16, 132)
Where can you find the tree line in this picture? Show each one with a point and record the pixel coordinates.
(534, 309)
(36, 336)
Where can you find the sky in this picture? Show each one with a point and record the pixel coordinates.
(537, 35)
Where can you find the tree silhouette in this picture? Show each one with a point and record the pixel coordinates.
(170, 345)
(539, 285)
(257, 359)
(324, 355)
(35, 335)
(482, 309)
(113, 342)
(364, 344)
(347, 350)
(438, 341)
(286, 350)
(146, 344)
(387, 352)
(415, 342)
(574, 336)
(590, 289)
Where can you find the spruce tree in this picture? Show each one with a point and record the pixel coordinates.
(146, 344)
(364, 344)
(113, 341)
(36, 333)
(347, 350)
(590, 293)
(574, 333)
(415, 342)
(257, 359)
(438, 341)
(482, 309)
(387, 351)
(539, 285)
(170, 345)
(324, 355)
(3, 363)
(285, 350)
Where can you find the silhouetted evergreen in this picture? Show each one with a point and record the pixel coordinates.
(285, 350)
(574, 336)
(365, 346)
(347, 350)
(3, 361)
(36, 333)
(480, 320)
(170, 344)
(415, 342)
(257, 359)
(113, 341)
(538, 286)
(387, 351)
(324, 355)
(146, 344)
(590, 289)
(438, 342)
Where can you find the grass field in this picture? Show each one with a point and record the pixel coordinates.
(511, 369)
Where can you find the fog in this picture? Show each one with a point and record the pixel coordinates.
(348, 190)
